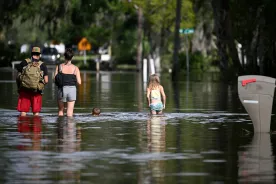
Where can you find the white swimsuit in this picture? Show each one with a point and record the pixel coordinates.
(155, 95)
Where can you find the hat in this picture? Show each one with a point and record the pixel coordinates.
(36, 49)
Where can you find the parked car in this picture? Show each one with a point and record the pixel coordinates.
(50, 55)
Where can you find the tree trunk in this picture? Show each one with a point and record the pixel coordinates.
(157, 59)
(261, 54)
(175, 71)
(139, 40)
(219, 15)
(252, 52)
(273, 60)
(231, 42)
(203, 40)
(155, 42)
(223, 27)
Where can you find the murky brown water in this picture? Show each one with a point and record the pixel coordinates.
(204, 136)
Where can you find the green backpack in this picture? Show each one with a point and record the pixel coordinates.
(32, 76)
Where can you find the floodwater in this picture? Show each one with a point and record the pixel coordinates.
(205, 135)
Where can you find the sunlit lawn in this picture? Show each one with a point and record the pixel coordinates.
(88, 57)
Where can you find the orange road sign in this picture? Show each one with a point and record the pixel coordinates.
(84, 44)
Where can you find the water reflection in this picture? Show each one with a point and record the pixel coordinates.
(176, 95)
(156, 136)
(126, 91)
(198, 146)
(139, 89)
(69, 136)
(30, 128)
(69, 139)
(256, 161)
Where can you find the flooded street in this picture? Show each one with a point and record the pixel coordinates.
(205, 135)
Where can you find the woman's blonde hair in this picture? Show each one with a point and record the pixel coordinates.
(153, 82)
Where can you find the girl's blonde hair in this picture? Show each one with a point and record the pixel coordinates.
(153, 82)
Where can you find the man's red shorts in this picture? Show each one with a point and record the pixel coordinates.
(29, 99)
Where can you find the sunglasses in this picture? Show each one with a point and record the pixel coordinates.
(36, 54)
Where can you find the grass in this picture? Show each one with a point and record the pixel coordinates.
(88, 57)
(126, 67)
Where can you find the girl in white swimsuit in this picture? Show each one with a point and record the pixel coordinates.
(154, 93)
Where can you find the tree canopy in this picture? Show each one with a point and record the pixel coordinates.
(242, 30)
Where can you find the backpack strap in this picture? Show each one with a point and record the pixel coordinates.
(40, 63)
(59, 68)
(75, 70)
(41, 71)
(28, 60)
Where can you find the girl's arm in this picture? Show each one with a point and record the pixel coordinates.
(148, 96)
(163, 95)
(78, 76)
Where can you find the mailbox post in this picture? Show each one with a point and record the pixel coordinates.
(256, 94)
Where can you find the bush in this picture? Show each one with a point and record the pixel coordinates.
(8, 53)
(196, 61)
(91, 65)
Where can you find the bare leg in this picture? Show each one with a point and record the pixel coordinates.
(159, 112)
(36, 113)
(60, 108)
(153, 112)
(70, 108)
(23, 113)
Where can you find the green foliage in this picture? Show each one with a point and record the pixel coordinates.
(116, 22)
(159, 20)
(161, 13)
(7, 12)
(197, 61)
(124, 49)
(70, 34)
(26, 33)
(97, 35)
(9, 53)
(90, 65)
(6, 55)
(146, 47)
(166, 62)
(104, 21)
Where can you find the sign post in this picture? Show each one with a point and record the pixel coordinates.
(84, 45)
(187, 31)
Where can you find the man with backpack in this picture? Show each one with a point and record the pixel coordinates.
(32, 77)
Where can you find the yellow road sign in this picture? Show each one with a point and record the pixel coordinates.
(84, 44)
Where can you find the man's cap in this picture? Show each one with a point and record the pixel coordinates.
(36, 49)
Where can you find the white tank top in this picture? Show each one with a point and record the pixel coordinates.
(155, 94)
